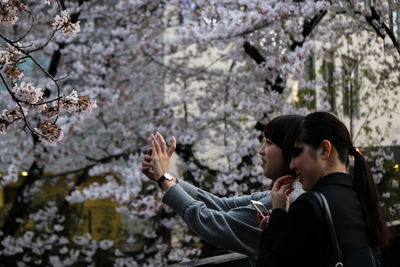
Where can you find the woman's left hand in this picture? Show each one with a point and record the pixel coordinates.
(281, 191)
(263, 220)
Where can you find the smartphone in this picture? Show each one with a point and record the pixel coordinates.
(260, 206)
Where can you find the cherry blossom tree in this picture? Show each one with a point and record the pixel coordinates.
(210, 73)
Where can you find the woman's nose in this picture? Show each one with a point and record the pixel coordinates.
(261, 150)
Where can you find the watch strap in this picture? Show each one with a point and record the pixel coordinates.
(161, 180)
(165, 176)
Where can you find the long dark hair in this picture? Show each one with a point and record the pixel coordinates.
(277, 129)
(319, 126)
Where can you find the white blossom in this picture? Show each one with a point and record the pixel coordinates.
(28, 93)
(63, 22)
(106, 244)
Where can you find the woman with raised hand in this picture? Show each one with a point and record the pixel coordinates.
(299, 235)
(229, 223)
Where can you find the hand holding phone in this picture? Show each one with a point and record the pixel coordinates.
(260, 207)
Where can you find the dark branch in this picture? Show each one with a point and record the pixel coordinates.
(253, 52)
(308, 27)
(278, 84)
(375, 22)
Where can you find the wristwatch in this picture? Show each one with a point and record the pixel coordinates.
(165, 176)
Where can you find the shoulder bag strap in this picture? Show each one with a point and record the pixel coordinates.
(325, 207)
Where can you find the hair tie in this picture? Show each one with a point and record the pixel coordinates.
(353, 151)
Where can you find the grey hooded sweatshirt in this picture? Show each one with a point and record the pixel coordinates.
(229, 223)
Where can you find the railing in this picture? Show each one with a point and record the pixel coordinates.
(390, 256)
(226, 260)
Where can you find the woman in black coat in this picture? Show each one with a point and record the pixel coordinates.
(299, 235)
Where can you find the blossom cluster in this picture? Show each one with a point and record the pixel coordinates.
(49, 133)
(28, 93)
(9, 60)
(64, 23)
(9, 117)
(9, 10)
(31, 97)
(84, 104)
(377, 159)
(45, 238)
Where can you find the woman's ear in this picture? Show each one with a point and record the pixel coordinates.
(326, 149)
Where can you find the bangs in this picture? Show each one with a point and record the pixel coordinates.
(271, 132)
(277, 129)
(293, 137)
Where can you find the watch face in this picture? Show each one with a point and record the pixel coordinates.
(168, 176)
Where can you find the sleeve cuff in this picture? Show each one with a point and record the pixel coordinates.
(177, 199)
(277, 216)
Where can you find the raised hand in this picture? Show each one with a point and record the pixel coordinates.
(161, 156)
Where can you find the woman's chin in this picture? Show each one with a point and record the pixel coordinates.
(271, 176)
(306, 187)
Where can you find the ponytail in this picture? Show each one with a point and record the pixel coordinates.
(369, 198)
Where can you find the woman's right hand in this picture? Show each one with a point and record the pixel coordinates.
(161, 155)
(281, 191)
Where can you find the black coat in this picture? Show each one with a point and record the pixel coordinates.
(301, 237)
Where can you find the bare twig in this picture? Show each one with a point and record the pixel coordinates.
(31, 27)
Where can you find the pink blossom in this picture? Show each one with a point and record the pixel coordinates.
(5, 122)
(8, 13)
(14, 54)
(13, 72)
(7, 118)
(70, 103)
(49, 133)
(64, 22)
(3, 57)
(26, 92)
(86, 105)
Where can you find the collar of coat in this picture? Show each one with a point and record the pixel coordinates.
(336, 178)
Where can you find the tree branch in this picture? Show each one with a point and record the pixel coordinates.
(252, 51)
(375, 17)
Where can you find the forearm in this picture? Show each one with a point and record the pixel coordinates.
(220, 203)
(189, 188)
(235, 230)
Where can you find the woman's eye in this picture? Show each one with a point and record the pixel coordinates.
(266, 141)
